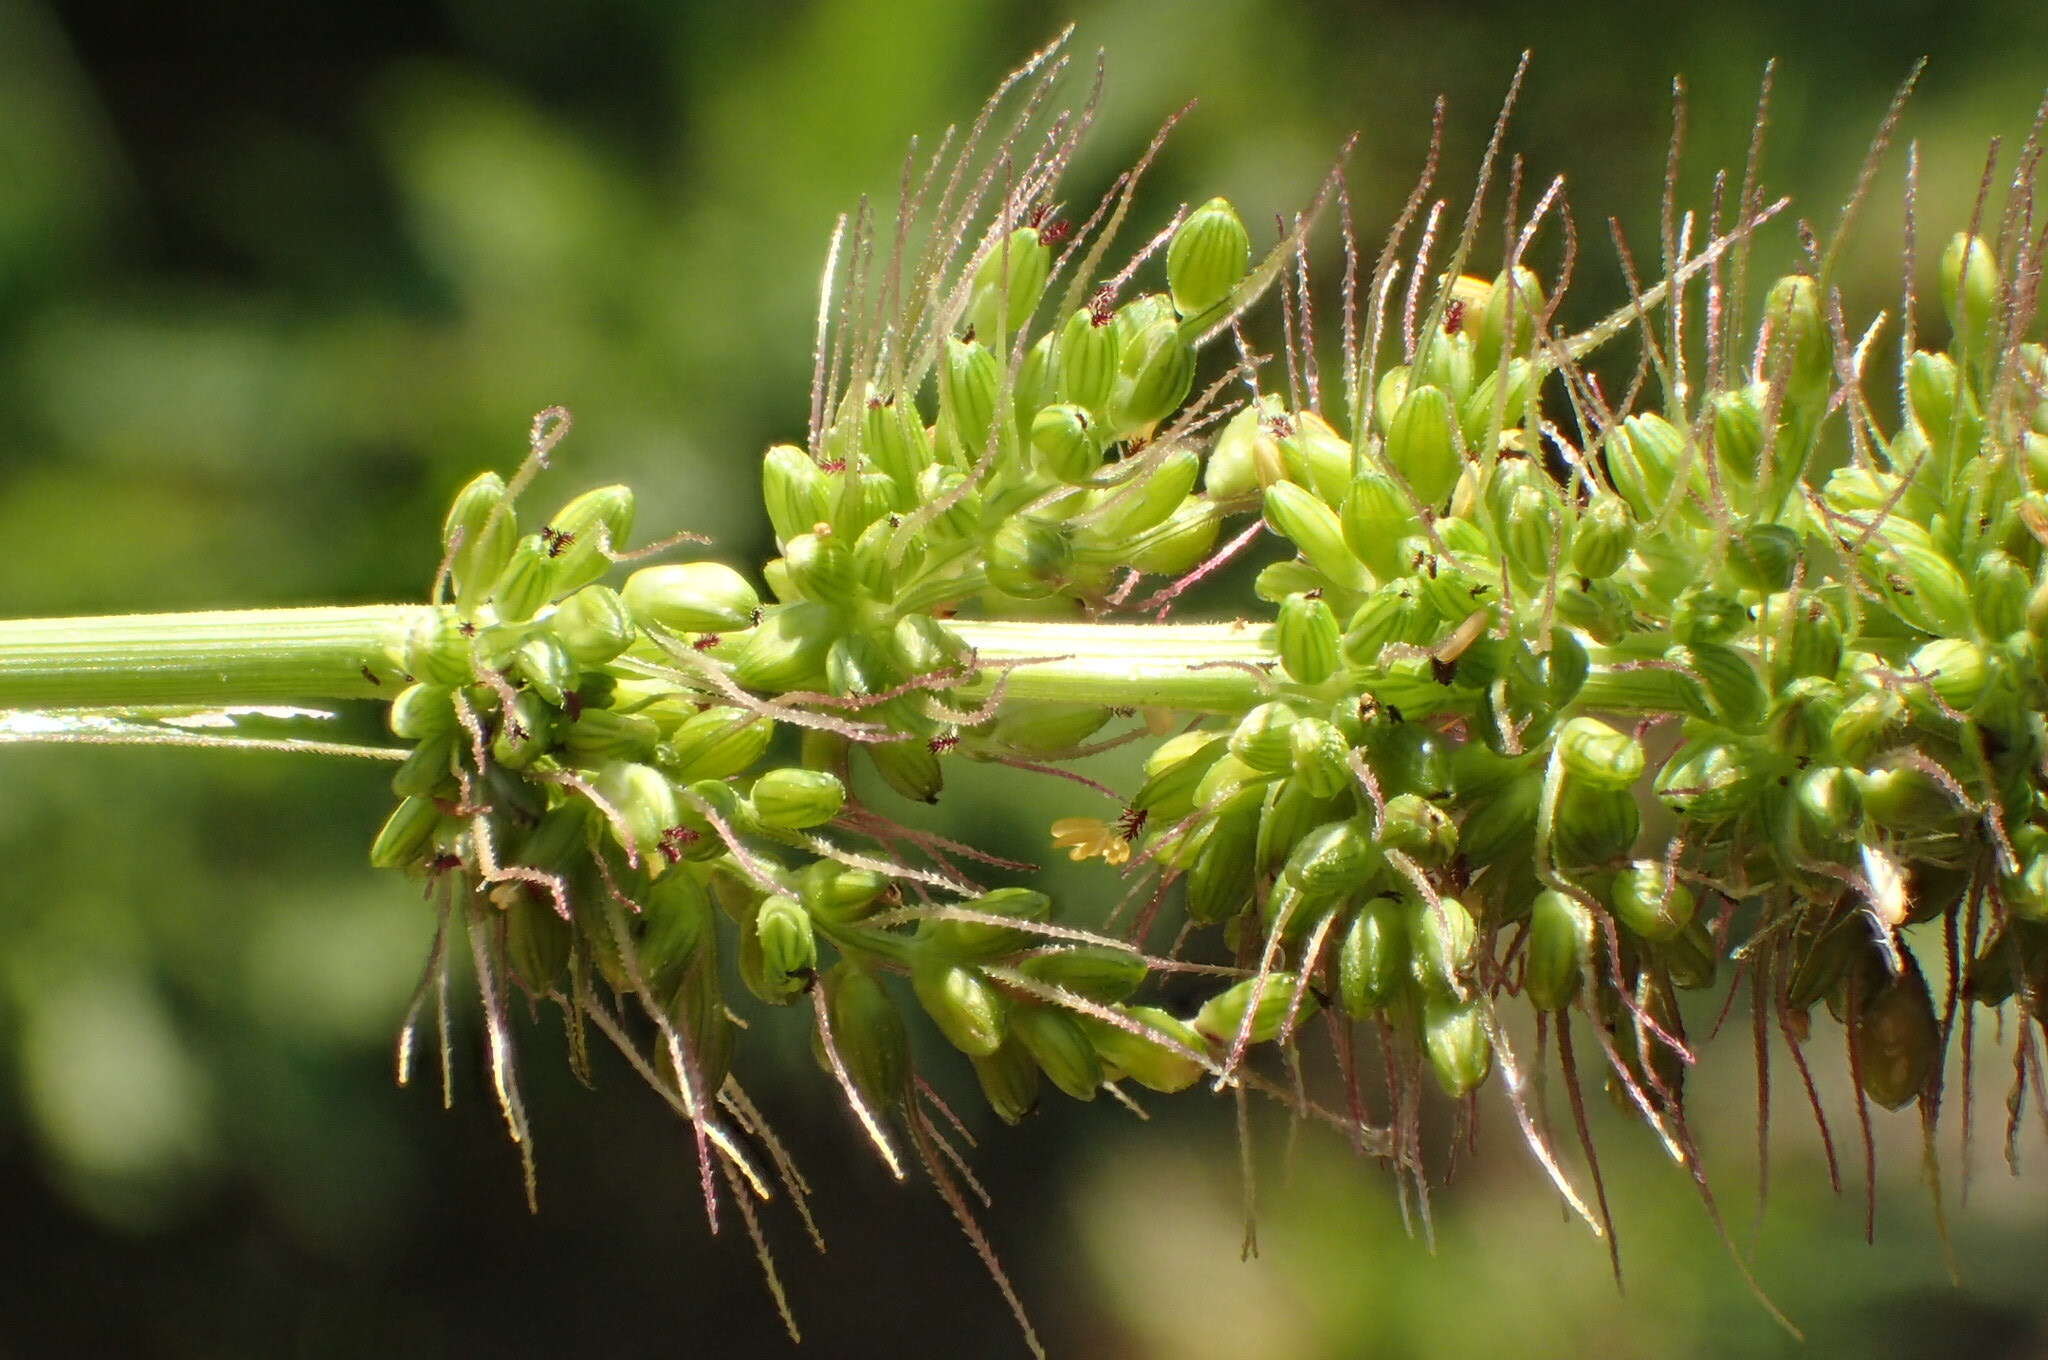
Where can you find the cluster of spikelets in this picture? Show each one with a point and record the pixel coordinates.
(1569, 712)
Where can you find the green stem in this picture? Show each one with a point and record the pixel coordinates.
(278, 655)
(227, 657)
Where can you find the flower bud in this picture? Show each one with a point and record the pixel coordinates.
(1763, 558)
(1511, 302)
(1601, 542)
(593, 625)
(1956, 669)
(1597, 756)
(1155, 370)
(1863, 725)
(1731, 692)
(1644, 902)
(1009, 1081)
(526, 734)
(1094, 971)
(1268, 998)
(1445, 361)
(1030, 558)
(487, 527)
(1220, 881)
(1999, 590)
(1246, 455)
(1970, 289)
(1478, 411)
(422, 710)
(537, 944)
(1503, 821)
(1443, 936)
(715, 743)
(980, 939)
(1377, 516)
(1459, 1049)
(786, 948)
(1316, 456)
(1007, 284)
(796, 798)
(820, 566)
(1132, 511)
(691, 597)
(1085, 357)
(909, 767)
(786, 651)
(644, 800)
(1905, 799)
(1061, 1048)
(1179, 542)
(970, 378)
(1529, 532)
(1419, 829)
(1033, 386)
(960, 1001)
(1645, 458)
(895, 444)
(1419, 444)
(793, 488)
(677, 916)
(1312, 527)
(868, 1032)
(1152, 1065)
(1560, 948)
(1335, 858)
(1064, 439)
(1261, 738)
(1372, 960)
(1792, 314)
(1592, 825)
(1207, 258)
(922, 645)
(1173, 771)
(1739, 433)
(1896, 1038)
(1318, 753)
(582, 535)
(522, 586)
(406, 833)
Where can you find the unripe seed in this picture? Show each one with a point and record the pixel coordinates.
(1372, 961)
(1029, 558)
(1007, 284)
(1956, 671)
(1150, 1064)
(1268, 998)
(543, 663)
(1064, 439)
(691, 597)
(1319, 757)
(909, 767)
(487, 527)
(1377, 516)
(895, 444)
(1096, 972)
(960, 1001)
(1419, 444)
(1444, 937)
(429, 770)
(1313, 528)
(969, 381)
(582, 533)
(522, 586)
(1650, 903)
(1763, 558)
(786, 651)
(677, 915)
(1560, 947)
(1593, 826)
(980, 939)
(788, 951)
(1156, 368)
(715, 743)
(1208, 257)
(1460, 1050)
(1513, 302)
(1598, 756)
(1061, 1048)
(1336, 857)
(1262, 738)
(526, 733)
(1970, 290)
(422, 710)
(1897, 1038)
(796, 798)
(868, 1032)
(1085, 357)
(1009, 1081)
(405, 833)
(644, 800)
(1601, 542)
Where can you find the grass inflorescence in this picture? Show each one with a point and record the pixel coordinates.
(1569, 698)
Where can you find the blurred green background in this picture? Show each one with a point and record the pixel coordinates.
(275, 279)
